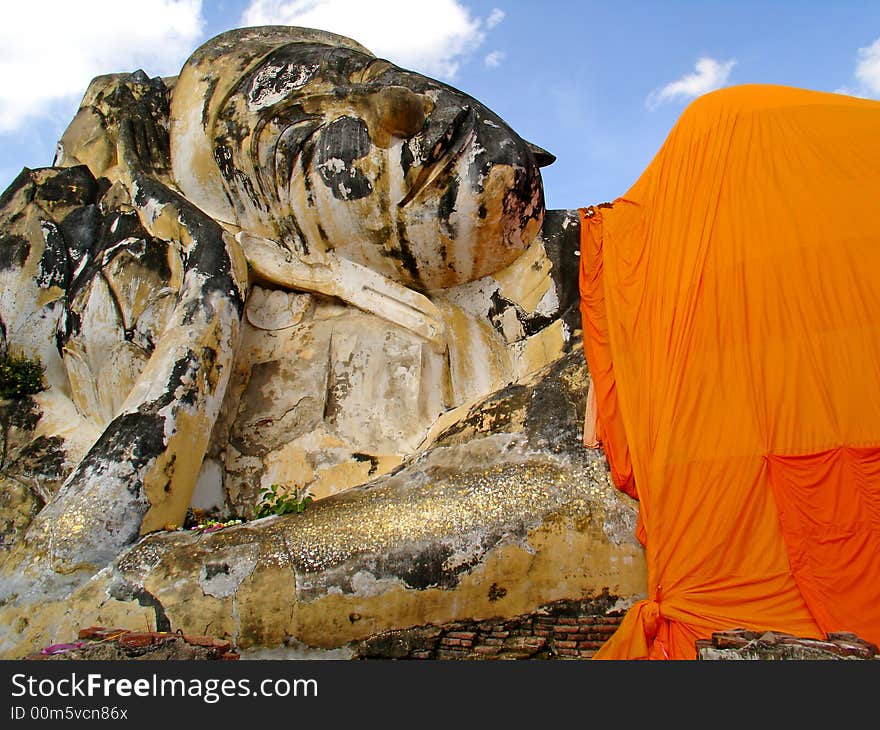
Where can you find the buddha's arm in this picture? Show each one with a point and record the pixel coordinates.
(351, 282)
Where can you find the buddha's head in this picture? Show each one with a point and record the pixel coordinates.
(307, 138)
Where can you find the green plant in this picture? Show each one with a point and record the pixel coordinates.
(279, 500)
(20, 376)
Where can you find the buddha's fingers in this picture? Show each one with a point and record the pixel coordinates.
(351, 282)
(392, 301)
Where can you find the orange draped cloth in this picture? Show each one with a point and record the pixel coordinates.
(731, 313)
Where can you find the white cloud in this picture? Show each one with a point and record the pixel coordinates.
(51, 49)
(867, 73)
(709, 75)
(493, 59)
(433, 37)
(868, 70)
(495, 17)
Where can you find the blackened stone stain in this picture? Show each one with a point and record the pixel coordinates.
(423, 569)
(292, 234)
(374, 461)
(493, 415)
(338, 145)
(44, 458)
(447, 207)
(531, 323)
(246, 184)
(14, 251)
(551, 414)
(561, 233)
(307, 156)
(406, 158)
(208, 255)
(81, 230)
(278, 82)
(55, 262)
(23, 413)
(17, 418)
(98, 238)
(69, 325)
(210, 367)
(212, 570)
(561, 236)
(124, 590)
(24, 181)
(169, 473)
(135, 438)
(405, 256)
(223, 158)
(291, 143)
(209, 92)
(182, 385)
(518, 199)
(74, 186)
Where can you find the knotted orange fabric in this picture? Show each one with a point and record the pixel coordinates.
(731, 313)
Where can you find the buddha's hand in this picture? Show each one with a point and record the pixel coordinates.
(335, 276)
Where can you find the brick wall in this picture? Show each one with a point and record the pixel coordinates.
(562, 630)
(774, 645)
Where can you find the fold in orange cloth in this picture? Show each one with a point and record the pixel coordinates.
(731, 314)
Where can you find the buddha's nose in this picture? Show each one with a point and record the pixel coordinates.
(395, 111)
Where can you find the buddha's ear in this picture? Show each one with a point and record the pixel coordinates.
(542, 156)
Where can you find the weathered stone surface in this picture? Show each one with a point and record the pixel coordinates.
(339, 396)
(295, 264)
(537, 635)
(474, 528)
(407, 176)
(742, 644)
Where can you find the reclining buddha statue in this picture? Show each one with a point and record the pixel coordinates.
(293, 264)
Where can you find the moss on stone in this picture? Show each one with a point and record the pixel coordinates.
(20, 376)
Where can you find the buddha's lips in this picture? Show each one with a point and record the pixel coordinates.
(445, 152)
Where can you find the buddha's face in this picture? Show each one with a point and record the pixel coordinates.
(325, 147)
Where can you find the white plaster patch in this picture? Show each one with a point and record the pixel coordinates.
(334, 164)
(549, 303)
(208, 493)
(467, 552)
(473, 297)
(275, 82)
(511, 327)
(475, 151)
(130, 241)
(152, 209)
(365, 584)
(276, 309)
(222, 576)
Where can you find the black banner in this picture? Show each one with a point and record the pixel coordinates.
(413, 692)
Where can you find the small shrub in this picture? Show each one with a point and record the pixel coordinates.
(279, 500)
(20, 376)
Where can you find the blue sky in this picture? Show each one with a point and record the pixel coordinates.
(598, 84)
